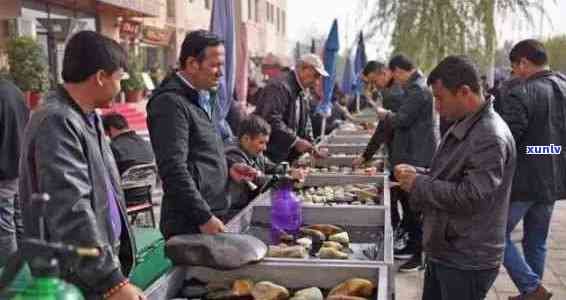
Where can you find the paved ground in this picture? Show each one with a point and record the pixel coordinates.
(409, 286)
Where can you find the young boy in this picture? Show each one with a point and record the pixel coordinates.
(253, 139)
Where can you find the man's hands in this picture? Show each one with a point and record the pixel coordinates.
(241, 172)
(303, 146)
(382, 113)
(406, 175)
(128, 292)
(299, 174)
(213, 226)
(320, 153)
(358, 161)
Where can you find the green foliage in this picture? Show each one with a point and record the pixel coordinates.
(556, 48)
(28, 66)
(502, 56)
(135, 69)
(429, 30)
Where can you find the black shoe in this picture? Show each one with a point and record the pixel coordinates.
(412, 265)
(405, 253)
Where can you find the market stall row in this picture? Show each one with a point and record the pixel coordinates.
(345, 240)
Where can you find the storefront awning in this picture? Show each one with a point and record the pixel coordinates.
(130, 8)
(80, 5)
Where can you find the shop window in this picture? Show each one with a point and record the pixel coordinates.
(272, 13)
(283, 22)
(171, 8)
(256, 8)
(53, 25)
(278, 19)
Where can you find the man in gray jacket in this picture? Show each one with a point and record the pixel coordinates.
(464, 196)
(66, 156)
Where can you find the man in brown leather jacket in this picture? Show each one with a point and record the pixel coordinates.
(464, 196)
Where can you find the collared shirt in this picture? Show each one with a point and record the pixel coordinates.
(204, 96)
(114, 211)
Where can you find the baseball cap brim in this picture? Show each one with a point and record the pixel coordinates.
(322, 72)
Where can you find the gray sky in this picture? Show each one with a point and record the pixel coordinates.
(314, 17)
(308, 17)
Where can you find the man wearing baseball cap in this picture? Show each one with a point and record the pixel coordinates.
(284, 105)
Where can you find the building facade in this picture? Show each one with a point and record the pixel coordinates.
(152, 29)
(52, 22)
(265, 24)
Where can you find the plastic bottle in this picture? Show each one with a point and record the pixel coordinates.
(286, 212)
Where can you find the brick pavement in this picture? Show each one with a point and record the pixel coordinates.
(409, 285)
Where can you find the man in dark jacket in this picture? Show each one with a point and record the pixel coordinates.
(535, 112)
(502, 91)
(66, 156)
(182, 121)
(14, 115)
(415, 136)
(282, 103)
(128, 147)
(377, 74)
(464, 196)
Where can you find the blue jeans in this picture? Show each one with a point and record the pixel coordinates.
(527, 271)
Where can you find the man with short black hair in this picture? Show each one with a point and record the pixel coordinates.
(284, 105)
(464, 196)
(128, 147)
(415, 136)
(378, 75)
(373, 76)
(66, 156)
(535, 110)
(182, 120)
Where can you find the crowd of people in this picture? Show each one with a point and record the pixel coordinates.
(467, 165)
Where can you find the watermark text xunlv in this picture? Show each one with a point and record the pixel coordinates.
(544, 150)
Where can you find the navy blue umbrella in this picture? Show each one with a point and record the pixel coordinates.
(331, 47)
(222, 24)
(360, 61)
(348, 77)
